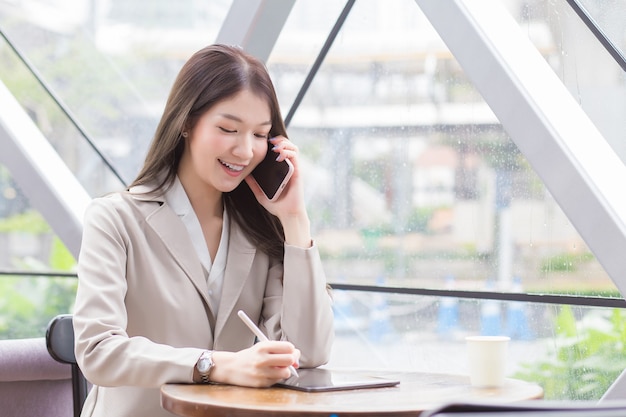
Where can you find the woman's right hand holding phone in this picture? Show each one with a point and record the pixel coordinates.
(290, 208)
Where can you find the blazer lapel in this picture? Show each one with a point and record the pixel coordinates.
(173, 233)
(239, 262)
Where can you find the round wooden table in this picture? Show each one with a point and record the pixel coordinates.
(416, 392)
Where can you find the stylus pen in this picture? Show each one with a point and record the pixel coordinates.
(258, 333)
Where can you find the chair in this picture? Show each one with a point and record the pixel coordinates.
(60, 344)
(31, 382)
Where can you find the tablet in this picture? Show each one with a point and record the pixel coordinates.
(322, 380)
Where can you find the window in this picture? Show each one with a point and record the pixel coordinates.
(431, 221)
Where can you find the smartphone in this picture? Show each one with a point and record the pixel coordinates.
(271, 175)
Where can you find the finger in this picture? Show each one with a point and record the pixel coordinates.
(281, 360)
(278, 373)
(286, 154)
(268, 357)
(277, 139)
(285, 147)
(280, 142)
(276, 346)
(279, 354)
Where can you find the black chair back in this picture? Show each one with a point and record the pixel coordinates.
(60, 344)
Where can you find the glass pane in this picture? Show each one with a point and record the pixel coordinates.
(609, 16)
(64, 136)
(292, 56)
(28, 246)
(586, 68)
(112, 63)
(413, 181)
(574, 353)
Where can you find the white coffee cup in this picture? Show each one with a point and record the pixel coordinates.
(487, 360)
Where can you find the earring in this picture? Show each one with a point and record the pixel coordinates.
(185, 134)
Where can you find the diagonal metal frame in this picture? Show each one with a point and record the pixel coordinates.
(597, 31)
(319, 60)
(544, 120)
(549, 127)
(44, 177)
(61, 105)
(255, 25)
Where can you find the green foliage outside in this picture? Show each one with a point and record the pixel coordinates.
(27, 303)
(565, 262)
(583, 359)
(28, 222)
(419, 218)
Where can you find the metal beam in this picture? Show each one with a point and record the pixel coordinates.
(50, 186)
(549, 127)
(255, 25)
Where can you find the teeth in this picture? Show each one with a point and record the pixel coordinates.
(232, 167)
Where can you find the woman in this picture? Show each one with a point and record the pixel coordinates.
(165, 266)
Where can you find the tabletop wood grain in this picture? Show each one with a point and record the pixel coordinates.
(416, 392)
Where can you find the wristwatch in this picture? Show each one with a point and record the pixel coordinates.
(204, 366)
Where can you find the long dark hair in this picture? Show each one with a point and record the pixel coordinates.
(215, 73)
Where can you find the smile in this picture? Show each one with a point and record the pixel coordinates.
(236, 168)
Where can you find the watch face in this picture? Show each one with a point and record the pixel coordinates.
(204, 364)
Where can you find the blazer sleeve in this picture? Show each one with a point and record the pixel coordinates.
(298, 307)
(104, 351)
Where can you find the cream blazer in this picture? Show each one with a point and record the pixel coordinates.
(142, 318)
